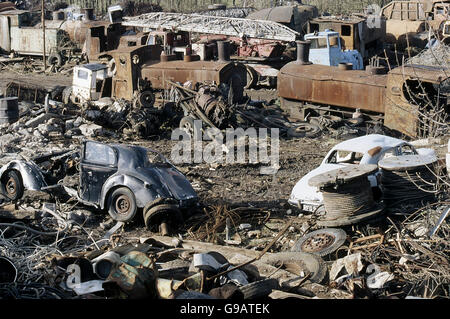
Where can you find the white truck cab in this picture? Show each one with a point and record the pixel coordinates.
(326, 49)
(88, 80)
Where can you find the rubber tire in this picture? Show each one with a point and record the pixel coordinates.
(260, 288)
(175, 219)
(146, 99)
(316, 264)
(55, 58)
(17, 180)
(339, 234)
(313, 131)
(111, 205)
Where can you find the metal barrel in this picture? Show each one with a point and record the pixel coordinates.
(58, 15)
(303, 52)
(223, 51)
(9, 110)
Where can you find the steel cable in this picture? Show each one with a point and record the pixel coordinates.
(348, 200)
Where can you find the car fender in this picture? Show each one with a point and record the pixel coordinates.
(142, 191)
(31, 174)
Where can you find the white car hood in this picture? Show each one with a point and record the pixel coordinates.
(303, 192)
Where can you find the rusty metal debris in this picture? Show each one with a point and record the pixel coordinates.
(76, 141)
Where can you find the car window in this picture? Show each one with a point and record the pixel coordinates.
(82, 74)
(388, 153)
(99, 154)
(406, 150)
(155, 158)
(345, 157)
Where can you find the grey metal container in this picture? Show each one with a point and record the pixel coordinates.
(9, 110)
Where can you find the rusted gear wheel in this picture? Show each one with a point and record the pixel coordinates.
(321, 242)
(122, 205)
(12, 185)
(162, 213)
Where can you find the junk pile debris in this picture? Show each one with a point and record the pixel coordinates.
(92, 207)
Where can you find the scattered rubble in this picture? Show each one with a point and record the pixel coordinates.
(369, 218)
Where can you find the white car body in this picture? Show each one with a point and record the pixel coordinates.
(308, 198)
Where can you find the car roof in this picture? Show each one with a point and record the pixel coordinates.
(365, 143)
(94, 66)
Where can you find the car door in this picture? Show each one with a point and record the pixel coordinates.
(99, 162)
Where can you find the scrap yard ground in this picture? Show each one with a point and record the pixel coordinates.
(84, 217)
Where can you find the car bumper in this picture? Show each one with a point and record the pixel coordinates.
(309, 206)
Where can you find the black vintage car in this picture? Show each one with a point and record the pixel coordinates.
(119, 178)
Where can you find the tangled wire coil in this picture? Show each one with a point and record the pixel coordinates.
(411, 187)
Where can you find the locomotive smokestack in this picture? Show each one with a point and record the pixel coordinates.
(303, 52)
(89, 14)
(58, 15)
(223, 51)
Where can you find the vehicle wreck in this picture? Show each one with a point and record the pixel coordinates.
(119, 178)
(362, 150)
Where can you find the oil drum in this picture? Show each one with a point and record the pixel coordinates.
(9, 110)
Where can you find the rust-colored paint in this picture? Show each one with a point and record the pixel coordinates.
(331, 86)
(400, 115)
(179, 71)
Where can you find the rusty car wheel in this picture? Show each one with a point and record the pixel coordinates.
(12, 186)
(321, 242)
(55, 59)
(122, 205)
(303, 130)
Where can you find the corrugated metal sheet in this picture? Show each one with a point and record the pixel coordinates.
(29, 40)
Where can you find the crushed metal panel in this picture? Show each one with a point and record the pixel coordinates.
(401, 115)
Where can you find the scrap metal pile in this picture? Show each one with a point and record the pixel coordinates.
(91, 207)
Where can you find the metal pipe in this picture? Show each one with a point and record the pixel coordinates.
(303, 52)
(88, 14)
(223, 51)
(43, 33)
